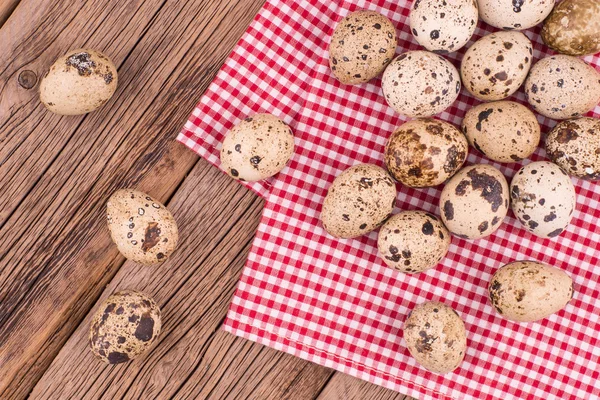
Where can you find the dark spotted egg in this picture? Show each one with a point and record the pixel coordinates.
(126, 324)
(361, 46)
(436, 337)
(575, 146)
(443, 26)
(413, 241)
(425, 152)
(514, 14)
(358, 201)
(475, 201)
(496, 66)
(141, 227)
(526, 291)
(543, 198)
(257, 148)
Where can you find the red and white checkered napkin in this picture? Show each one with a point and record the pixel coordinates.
(333, 301)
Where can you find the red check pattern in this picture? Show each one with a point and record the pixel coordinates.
(333, 301)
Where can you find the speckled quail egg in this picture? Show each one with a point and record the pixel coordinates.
(496, 66)
(126, 324)
(413, 241)
(78, 83)
(527, 291)
(443, 26)
(562, 87)
(420, 84)
(474, 202)
(573, 27)
(361, 46)
(514, 14)
(575, 146)
(257, 148)
(359, 200)
(425, 152)
(141, 227)
(503, 131)
(543, 198)
(436, 337)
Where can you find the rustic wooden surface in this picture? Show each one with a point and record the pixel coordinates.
(57, 261)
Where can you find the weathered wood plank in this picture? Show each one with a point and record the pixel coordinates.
(6, 9)
(346, 387)
(55, 244)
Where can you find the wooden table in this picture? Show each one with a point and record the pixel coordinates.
(56, 257)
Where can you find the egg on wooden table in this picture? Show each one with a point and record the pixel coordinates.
(420, 84)
(475, 201)
(125, 325)
(573, 27)
(527, 291)
(514, 14)
(443, 26)
(543, 198)
(496, 66)
(413, 241)
(358, 201)
(502, 131)
(78, 83)
(574, 145)
(436, 337)
(141, 227)
(425, 152)
(361, 46)
(562, 87)
(257, 148)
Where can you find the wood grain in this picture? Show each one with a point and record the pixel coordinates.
(6, 9)
(346, 387)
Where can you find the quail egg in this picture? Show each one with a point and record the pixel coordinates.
(573, 27)
(514, 14)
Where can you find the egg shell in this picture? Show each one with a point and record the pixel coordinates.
(514, 14)
(443, 26)
(436, 337)
(503, 131)
(573, 27)
(496, 66)
(425, 152)
(361, 46)
(257, 148)
(125, 326)
(574, 145)
(420, 84)
(527, 291)
(78, 83)
(543, 198)
(141, 227)
(358, 201)
(413, 241)
(562, 87)
(475, 201)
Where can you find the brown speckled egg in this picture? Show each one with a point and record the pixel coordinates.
(257, 148)
(436, 337)
(562, 87)
(503, 131)
(358, 201)
(514, 14)
(413, 241)
(78, 83)
(361, 46)
(573, 27)
(420, 84)
(543, 198)
(496, 66)
(526, 291)
(475, 201)
(425, 152)
(126, 324)
(141, 227)
(574, 145)
(443, 26)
